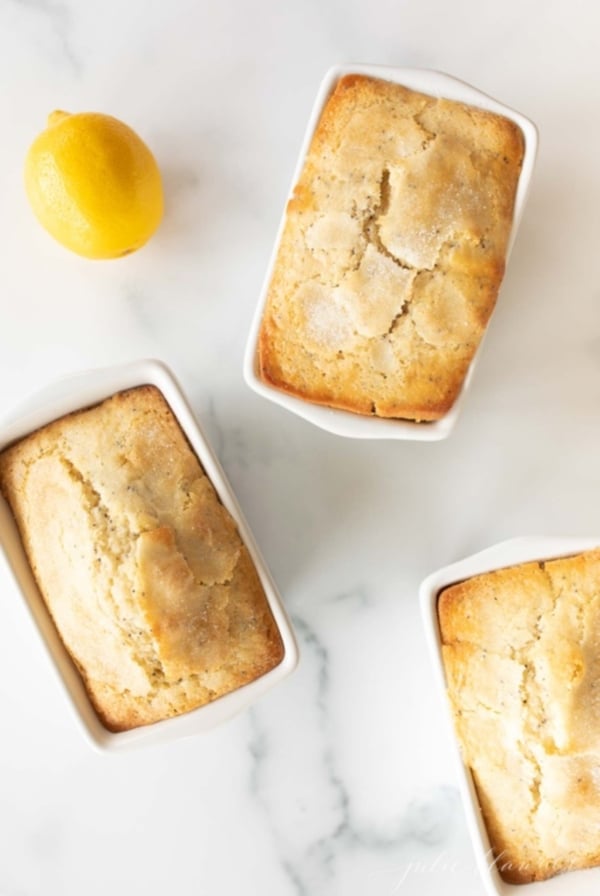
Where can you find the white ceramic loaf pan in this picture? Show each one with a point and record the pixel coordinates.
(72, 394)
(507, 553)
(342, 422)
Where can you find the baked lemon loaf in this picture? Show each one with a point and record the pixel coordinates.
(521, 650)
(143, 570)
(392, 252)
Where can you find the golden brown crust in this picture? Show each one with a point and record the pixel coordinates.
(521, 651)
(142, 568)
(392, 252)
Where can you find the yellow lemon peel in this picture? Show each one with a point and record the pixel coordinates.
(94, 184)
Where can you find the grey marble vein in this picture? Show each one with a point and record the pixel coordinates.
(139, 304)
(258, 747)
(296, 881)
(358, 596)
(229, 442)
(424, 822)
(59, 17)
(244, 444)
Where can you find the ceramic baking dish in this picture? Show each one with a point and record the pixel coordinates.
(77, 392)
(342, 422)
(507, 553)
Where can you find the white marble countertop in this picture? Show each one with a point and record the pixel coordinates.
(340, 782)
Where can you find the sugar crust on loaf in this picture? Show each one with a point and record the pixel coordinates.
(521, 651)
(151, 588)
(392, 253)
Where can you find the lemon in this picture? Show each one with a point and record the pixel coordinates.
(94, 184)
